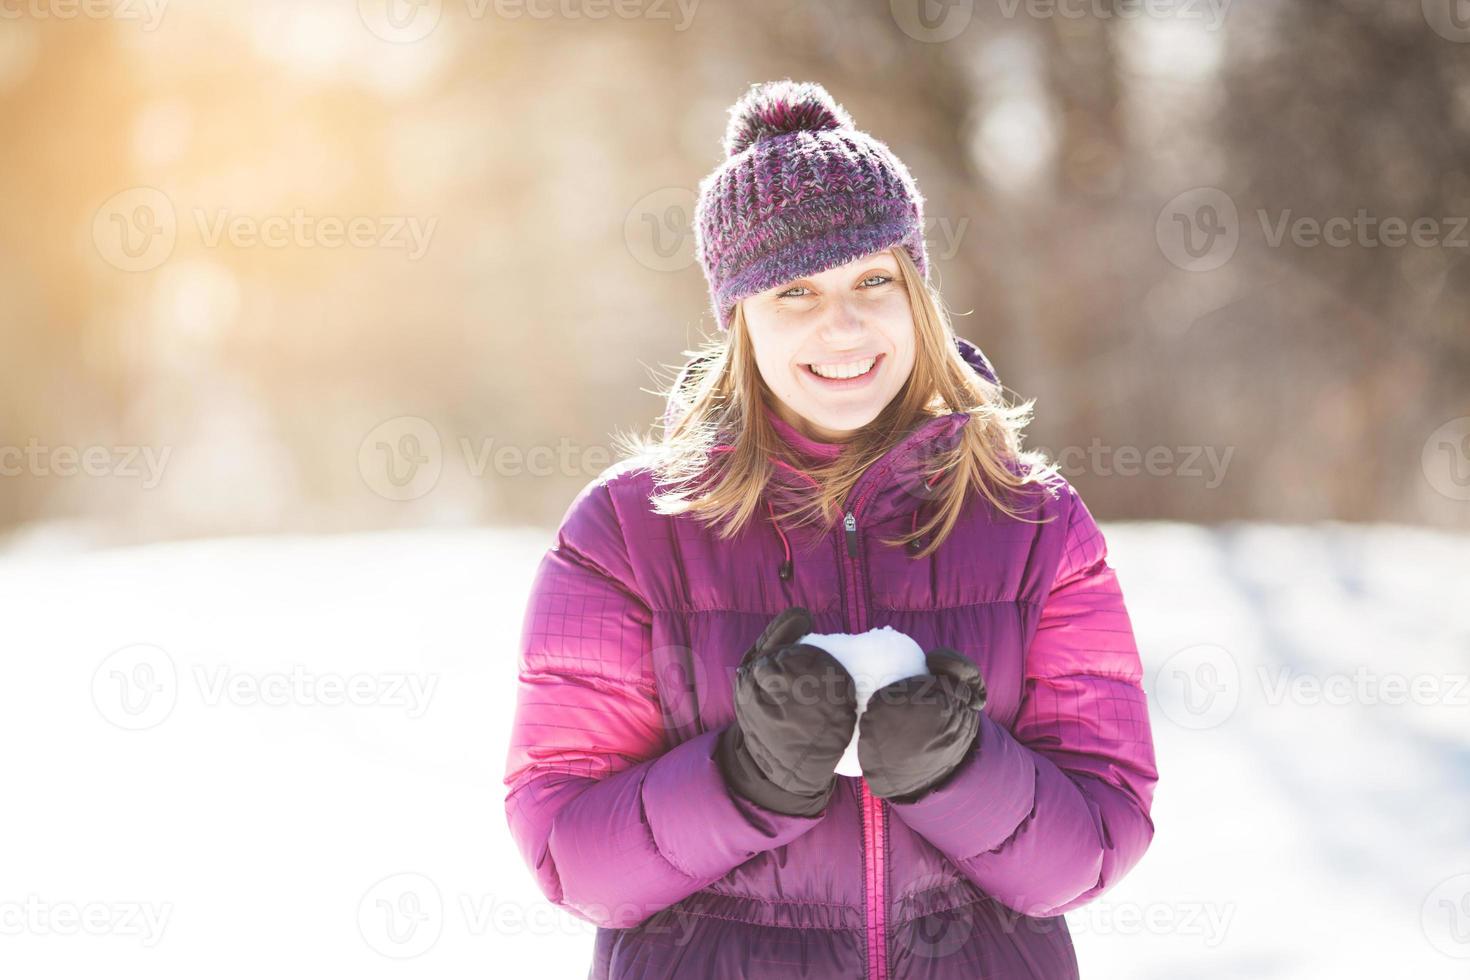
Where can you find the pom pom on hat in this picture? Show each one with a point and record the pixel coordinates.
(776, 108)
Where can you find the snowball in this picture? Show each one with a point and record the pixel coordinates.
(875, 659)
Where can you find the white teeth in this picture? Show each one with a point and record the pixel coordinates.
(849, 370)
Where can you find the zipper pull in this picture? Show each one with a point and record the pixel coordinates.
(850, 523)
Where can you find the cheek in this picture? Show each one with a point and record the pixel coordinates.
(777, 364)
(900, 332)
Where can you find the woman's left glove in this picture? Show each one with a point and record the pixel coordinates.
(917, 731)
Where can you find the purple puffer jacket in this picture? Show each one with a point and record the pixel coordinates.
(635, 624)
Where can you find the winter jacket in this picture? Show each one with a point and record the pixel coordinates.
(631, 636)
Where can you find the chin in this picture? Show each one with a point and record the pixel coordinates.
(848, 421)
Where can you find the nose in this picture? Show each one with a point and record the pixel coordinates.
(842, 326)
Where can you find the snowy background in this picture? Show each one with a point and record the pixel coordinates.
(275, 745)
(283, 756)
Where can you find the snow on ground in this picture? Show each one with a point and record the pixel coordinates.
(283, 756)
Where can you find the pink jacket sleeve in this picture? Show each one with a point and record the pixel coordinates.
(1048, 816)
(614, 824)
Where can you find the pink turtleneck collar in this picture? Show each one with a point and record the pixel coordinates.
(801, 442)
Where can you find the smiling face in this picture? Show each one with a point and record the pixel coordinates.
(834, 347)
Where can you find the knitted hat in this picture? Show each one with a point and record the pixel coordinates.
(801, 190)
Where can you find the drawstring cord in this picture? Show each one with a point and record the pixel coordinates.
(787, 569)
(916, 545)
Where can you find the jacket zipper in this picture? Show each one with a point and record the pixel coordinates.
(873, 817)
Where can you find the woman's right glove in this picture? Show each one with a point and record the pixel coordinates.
(795, 712)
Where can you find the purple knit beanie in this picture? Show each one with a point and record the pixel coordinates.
(801, 190)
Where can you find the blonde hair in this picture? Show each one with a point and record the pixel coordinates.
(718, 398)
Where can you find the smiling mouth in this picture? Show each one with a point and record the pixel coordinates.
(851, 370)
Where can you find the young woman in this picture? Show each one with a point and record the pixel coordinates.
(839, 461)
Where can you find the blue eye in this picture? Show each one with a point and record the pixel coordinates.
(882, 278)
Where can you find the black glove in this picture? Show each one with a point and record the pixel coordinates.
(795, 711)
(917, 731)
